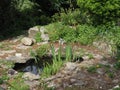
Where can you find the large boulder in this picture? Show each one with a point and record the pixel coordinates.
(32, 31)
(27, 41)
(44, 36)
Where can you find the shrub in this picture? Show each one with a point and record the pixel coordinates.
(101, 11)
(85, 34)
(58, 30)
(72, 18)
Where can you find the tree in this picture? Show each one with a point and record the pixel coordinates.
(101, 11)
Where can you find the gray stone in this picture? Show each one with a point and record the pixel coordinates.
(85, 57)
(33, 31)
(12, 72)
(86, 63)
(18, 54)
(100, 71)
(27, 41)
(69, 66)
(7, 52)
(17, 59)
(72, 80)
(23, 47)
(32, 84)
(44, 36)
(30, 76)
(1, 88)
(42, 43)
(79, 83)
(103, 46)
(97, 56)
(33, 69)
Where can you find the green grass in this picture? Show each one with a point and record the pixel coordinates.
(57, 62)
(17, 83)
(92, 69)
(51, 69)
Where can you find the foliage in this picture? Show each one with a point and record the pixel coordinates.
(56, 65)
(116, 88)
(38, 37)
(42, 50)
(58, 30)
(69, 53)
(72, 18)
(92, 69)
(51, 69)
(117, 65)
(85, 34)
(14, 85)
(3, 78)
(101, 11)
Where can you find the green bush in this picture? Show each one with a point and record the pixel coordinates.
(85, 34)
(72, 18)
(101, 11)
(58, 30)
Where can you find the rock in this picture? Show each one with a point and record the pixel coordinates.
(103, 46)
(86, 63)
(32, 84)
(7, 52)
(27, 41)
(33, 31)
(16, 59)
(23, 47)
(1, 88)
(18, 54)
(97, 56)
(85, 57)
(116, 87)
(100, 71)
(44, 36)
(72, 80)
(69, 66)
(104, 62)
(42, 43)
(61, 41)
(30, 76)
(79, 83)
(115, 81)
(12, 72)
(33, 69)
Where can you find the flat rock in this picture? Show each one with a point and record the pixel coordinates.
(18, 59)
(30, 76)
(69, 66)
(27, 41)
(7, 52)
(23, 47)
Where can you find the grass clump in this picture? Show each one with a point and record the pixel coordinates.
(117, 65)
(42, 50)
(92, 69)
(57, 62)
(14, 85)
(51, 69)
(38, 37)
